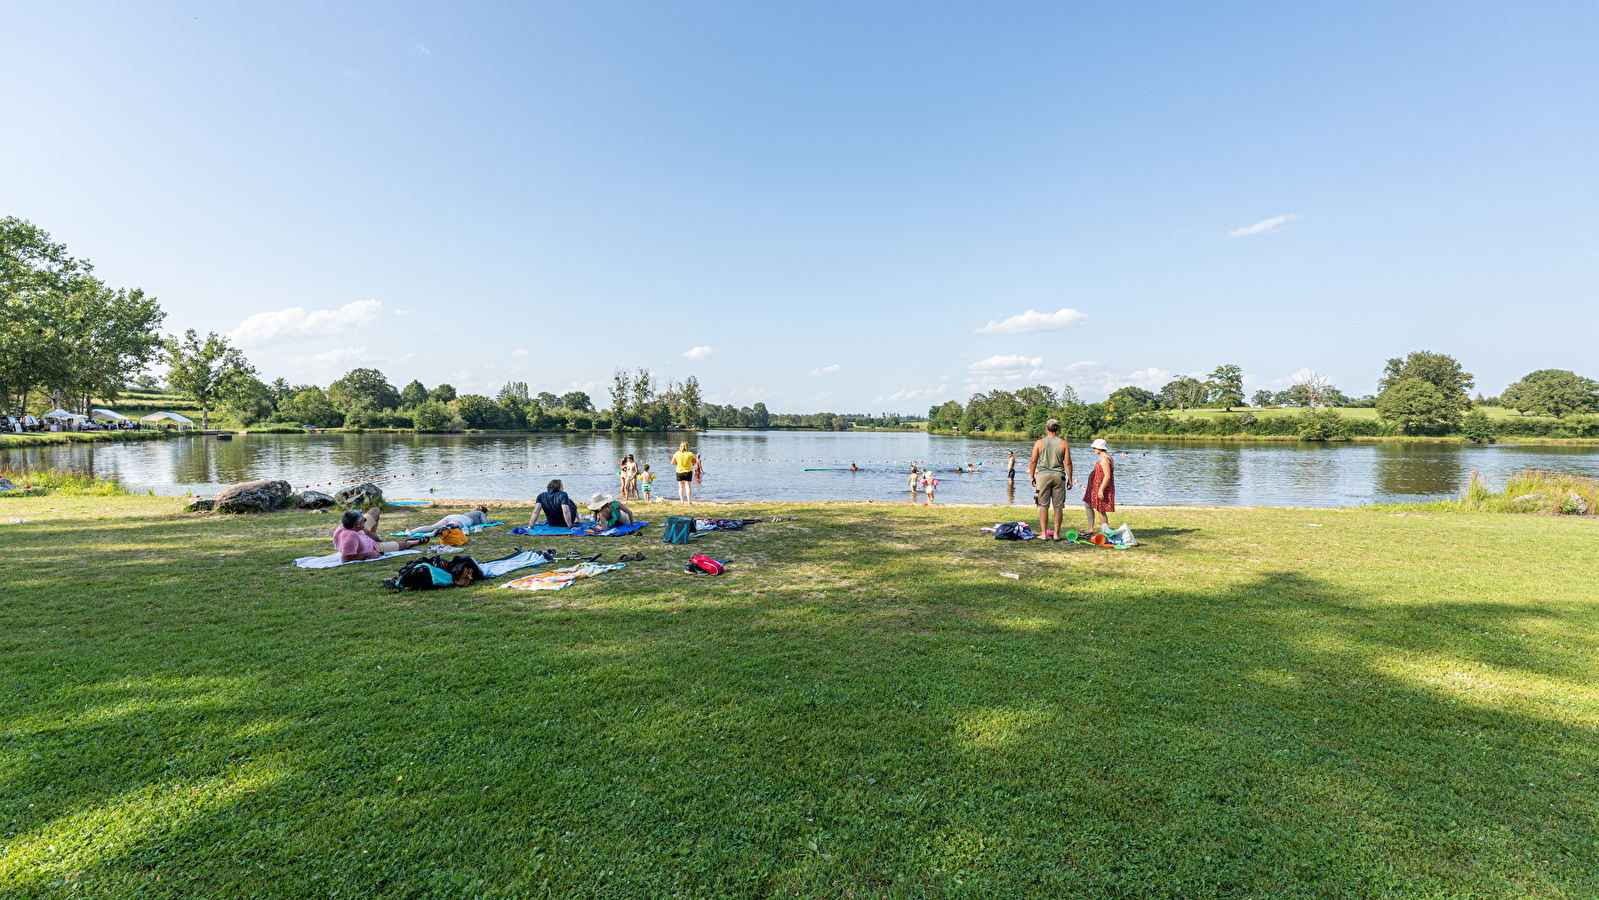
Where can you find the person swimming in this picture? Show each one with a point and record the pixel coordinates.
(853, 467)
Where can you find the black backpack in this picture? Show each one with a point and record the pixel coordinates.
(417, 575)
(1010, 531)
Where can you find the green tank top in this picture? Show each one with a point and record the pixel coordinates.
(1052, 456)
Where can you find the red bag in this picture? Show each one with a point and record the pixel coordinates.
(706, 564)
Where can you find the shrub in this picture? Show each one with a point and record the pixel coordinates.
(1321, 425)
(1476, 427)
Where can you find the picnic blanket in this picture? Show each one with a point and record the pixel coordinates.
(333, 560)
(494, 568)
(577, 530)
(558, 579)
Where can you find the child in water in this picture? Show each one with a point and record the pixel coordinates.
(646, 479)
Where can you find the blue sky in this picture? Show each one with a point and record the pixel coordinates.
(826, 206)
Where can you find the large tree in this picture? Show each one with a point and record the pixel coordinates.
(364, 389)
(577, 401)
(1440, 370)
(688, 403)
(1226, 386)
(204, 370)
(1129, 398)
(413, 395)
(1552, 392)
(107, 337)
(1184, 393)
(1414, 403)
(35, 276)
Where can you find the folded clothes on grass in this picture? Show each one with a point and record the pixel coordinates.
(558, 579)
(723, 524)
(333, 560)
(586, 530)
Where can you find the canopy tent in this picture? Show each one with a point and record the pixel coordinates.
(60, 414)
(158, 416)
(108, 415)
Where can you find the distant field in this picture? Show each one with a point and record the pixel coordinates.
(1358, 412)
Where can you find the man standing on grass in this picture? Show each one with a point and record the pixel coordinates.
(1050, 470)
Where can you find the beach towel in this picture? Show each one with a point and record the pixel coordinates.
(494, 568)
(558, 579)
(473, 530)
(577, 531)
(333, 560)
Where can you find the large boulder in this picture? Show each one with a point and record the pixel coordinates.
(359, 496)
(201, 504)
(314, 500)
(253, 496)
(1579, 503)
(6, 485)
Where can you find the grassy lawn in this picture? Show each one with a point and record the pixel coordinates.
(1394, 704)
(1364, 413)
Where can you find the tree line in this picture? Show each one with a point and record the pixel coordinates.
(1421, 393)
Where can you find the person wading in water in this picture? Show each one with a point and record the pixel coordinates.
(1050, 470)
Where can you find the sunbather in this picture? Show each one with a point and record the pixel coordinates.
(462, 521)
(356, 537)
(609, 512)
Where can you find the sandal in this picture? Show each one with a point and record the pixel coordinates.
(630, 557)
(1049, 536)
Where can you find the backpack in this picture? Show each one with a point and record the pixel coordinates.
(677, 530)
(704, 565)
(432, 572)
(452, 537)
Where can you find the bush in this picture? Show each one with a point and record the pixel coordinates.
(428, 415)
(1321, 425)
(1475, 427)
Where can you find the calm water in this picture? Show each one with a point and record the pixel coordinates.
(772, 465)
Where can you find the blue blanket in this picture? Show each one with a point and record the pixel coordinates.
(578, 531)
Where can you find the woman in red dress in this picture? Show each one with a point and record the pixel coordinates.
(1100, 494)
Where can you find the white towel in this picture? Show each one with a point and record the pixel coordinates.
(334, 560)
(494, 568)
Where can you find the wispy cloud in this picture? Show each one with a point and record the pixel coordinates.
(420, 50)
(1264, 226)
(519, 352)
(1035, 321)
(699, 353)
(908, 395)
(321, 368)
(825, 369)
(998, 363)
(266, 328)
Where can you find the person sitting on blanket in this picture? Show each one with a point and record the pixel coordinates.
(609, 512)
(557, 507)
(356, 538)
(462, 521)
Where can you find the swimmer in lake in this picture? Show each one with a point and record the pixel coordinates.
(853, 467)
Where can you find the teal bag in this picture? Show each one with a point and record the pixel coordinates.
(677, 530)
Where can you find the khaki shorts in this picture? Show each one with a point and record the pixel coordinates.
(388, 546)
(1051, 490)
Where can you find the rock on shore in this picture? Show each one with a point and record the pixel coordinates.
(253, 496)
(359, 496)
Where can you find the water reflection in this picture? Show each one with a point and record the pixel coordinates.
(775, 465)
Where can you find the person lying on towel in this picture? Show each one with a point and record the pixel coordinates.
(356, 538)
(462, 521)
(608, 513)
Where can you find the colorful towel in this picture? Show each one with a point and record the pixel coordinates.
(577, 531)
(559, 578)
(334, 560)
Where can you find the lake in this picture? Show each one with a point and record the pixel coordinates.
(772, 465)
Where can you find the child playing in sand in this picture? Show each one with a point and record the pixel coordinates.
(646, 479)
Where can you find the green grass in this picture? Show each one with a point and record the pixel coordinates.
(66, 484)
(1394, 704)
(1529, 491)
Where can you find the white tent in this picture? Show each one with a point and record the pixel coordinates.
(60, 414)
(158, 416)
(108, 414)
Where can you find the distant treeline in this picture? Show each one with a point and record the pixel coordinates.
(1423, 393)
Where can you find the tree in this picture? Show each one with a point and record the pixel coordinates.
(643, 390)
(429, 415)
(364, 389)
(1476, 427)
(688, 401)
(1262, 398)
(548, 400)
(1129, 397)
(148, 382)
(759, 417)
(621, 384)
(413, 395)
(248, 401)
(204, 371)
(1040, 395)
(1312, 389)
(1185, 393)
(309, 406)
(1441, 371)
(577, 401)
(1226, 386)
(442, 394)
(107, 336)
(515, 391)
(1552, 392)
(1321, 425)
(35, 276)
(1415, 403)
(477, 411)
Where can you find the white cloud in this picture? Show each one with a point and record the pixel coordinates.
(908, 395)
(402, 312)
(698, 353)
(420, 50)
(825, 369)
(519, 352)
(1035, 321)
(998, 363)
(321, 368)
(267, 328)
(1264, 226)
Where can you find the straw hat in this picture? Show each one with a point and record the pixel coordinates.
(599, 501)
